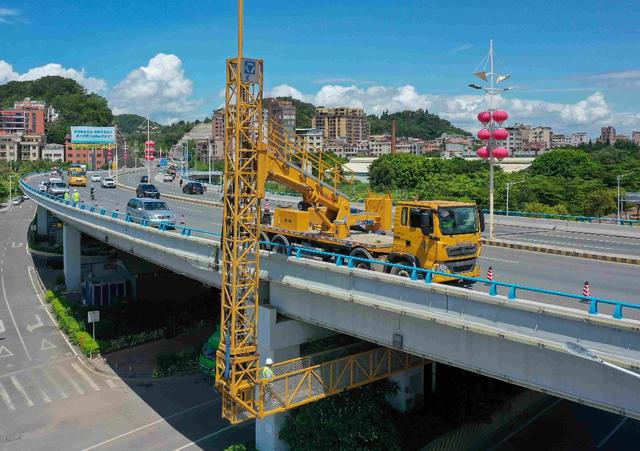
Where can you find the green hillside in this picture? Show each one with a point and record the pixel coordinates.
(414, 124)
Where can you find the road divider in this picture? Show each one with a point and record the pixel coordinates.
(520, 245)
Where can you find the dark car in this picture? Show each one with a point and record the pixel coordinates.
(147, 190)
(193, 188)
(144, 179)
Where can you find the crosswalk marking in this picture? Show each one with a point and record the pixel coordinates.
(69, 379)
(53, 382)
(5, 397)
(85, 376)
(110, 383)
(20, 388)
(43, 393)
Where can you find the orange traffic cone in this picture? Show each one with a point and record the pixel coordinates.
(586, 289)
(117, 209)
(490, 273)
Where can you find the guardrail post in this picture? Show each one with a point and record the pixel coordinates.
(512, 293)
(494, 290)
(339, 260)
(299, 253)
(617, 312)
(428, 277)
(351, 264)
(593, 307)
(414, 274)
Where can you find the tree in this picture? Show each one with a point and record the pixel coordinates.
(566, 163)
(599, 203)
(415, 124)
(356, 419)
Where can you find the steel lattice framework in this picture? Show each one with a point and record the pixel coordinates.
(237, 358)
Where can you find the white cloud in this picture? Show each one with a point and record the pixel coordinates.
(287, 91)
(586, 114)
(7, 73)
(621, 80)
(160, 88)
(9, 15)
(460, 48)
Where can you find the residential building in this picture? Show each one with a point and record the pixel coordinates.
(607, 135)
(217, 124)
(31, 147)
(345, 149)
(622, 138)
(578, 138)
(431, 146)
(201, 134)
(94, 156)
(542, 135)
(518, 138)
(409, 145)
(311, 138)
(9, 147)
(379, 145)
(455, 145)
(283, 112)
(21, 147)
(26, 117)
(350, 124)
(53, 152)
(635, 138)
(560, 140)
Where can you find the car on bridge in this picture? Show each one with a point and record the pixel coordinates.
(58, 188)
(108, 182)
(144, 179)
(153, 212)
(96, 178)
(168, 177)
(44, 186)
(147, 190)
(193, 188)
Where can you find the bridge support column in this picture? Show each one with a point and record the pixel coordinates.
(71, 257)
(280, 339)
(410, 393)
(42, 219)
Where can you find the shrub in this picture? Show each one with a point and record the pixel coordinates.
(50, 296)
(87, 344)
(72, 327)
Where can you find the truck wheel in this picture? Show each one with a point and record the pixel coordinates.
(361, 253)
(402, 272)
(281, 244)
(303, 206)
(264, 242)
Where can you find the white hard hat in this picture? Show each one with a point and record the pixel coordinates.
(269, 361)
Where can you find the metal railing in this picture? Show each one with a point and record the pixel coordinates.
(593, 219)
(351, 262)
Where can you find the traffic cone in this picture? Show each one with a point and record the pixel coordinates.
(181, 219)
(490, 273)
(117, 209)
(267, 206)
(586, 289)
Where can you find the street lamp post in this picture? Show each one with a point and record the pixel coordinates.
(10, 189)
(509, 185)
(619, 205)
(209, 151)
(490, 151)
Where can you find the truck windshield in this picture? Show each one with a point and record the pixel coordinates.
(457, 220)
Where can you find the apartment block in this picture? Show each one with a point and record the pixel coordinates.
(379, 145)
(21, 147)
(311, 138)
(635, 138)
(607, 135)
(94, 156)
(53, 152)
(10, 147)
(350, 124)
(217, 124)
(26, 117)
(579, 138)
(345, 149)
(283, 112)
(560, 140)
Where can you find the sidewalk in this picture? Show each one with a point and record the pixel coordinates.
(139, 361)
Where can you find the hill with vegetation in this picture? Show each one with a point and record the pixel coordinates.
(75, 105)
(134, 126)
(414, 124)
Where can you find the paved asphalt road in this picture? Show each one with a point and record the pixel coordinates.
(51, 399)
(608, 280)
(565, 425)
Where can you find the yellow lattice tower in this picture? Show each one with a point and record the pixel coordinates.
(237, 359)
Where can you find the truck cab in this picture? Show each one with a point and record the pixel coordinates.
(439, 235)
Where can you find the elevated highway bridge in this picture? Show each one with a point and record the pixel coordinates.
(527, 342)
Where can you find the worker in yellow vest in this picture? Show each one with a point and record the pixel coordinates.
(66, 195)
(76, 196)
(267, 375)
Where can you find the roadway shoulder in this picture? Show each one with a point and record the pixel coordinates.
(521, 245)
(180, 198)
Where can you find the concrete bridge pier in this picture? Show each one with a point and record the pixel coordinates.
(280, 338)
(410, 394)
(42, 219)
(71, 258)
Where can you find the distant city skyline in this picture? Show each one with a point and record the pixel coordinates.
(574, 70)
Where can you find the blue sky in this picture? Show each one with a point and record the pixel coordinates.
(574, 63)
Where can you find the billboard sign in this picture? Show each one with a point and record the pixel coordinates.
(93, 135)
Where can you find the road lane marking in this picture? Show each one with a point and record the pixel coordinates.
(153, 423)
(110, 383)
(610, 434)
(206, 437)
(53, 382)
(498, 259)
(20, 388)
(37, 325)
(4, 352)
(528, 422)
(5, 397)
(46, 345)
(69, 379)
(45, 397)
(6, 300)
(85, 376)
(2, 329)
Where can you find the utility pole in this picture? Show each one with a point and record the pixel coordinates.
(509, 185)
(618, 178)
(209, 151)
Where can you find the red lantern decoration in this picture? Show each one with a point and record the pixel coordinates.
(500, 116)
(484, 117)
(500, 153)
(483, 152)
(149, 143)
(484, 134)
(500, 134)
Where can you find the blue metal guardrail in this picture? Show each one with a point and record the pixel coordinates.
(351, 261)
(529, 214)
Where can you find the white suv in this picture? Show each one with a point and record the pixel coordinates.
(96, 178)
(108, 182)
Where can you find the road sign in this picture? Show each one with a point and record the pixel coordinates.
(164, 163)
(632, 198)
(94, 316)
(250, 71)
